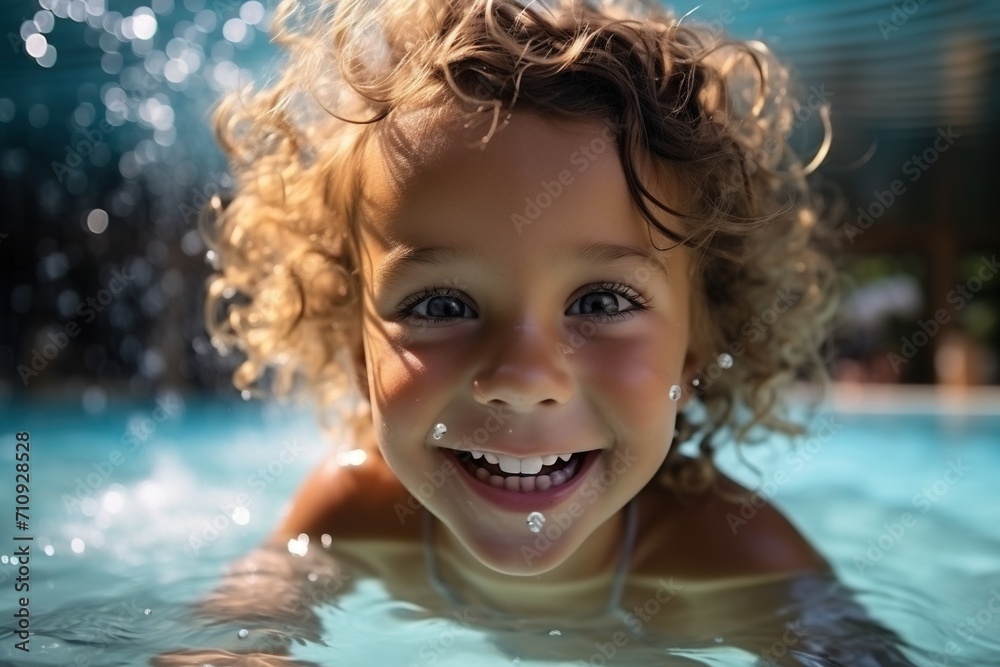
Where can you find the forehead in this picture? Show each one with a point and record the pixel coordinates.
(428, 179)
(406, 143)
(412, 151)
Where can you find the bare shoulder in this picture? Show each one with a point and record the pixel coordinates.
(731, 532)
(351, 502)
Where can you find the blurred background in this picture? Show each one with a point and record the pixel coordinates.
(107, 155)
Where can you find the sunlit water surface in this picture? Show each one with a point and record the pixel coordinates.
(137, 511)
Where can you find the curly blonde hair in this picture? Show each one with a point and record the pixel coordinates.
(711, 113)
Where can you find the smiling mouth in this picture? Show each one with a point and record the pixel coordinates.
(548, 477)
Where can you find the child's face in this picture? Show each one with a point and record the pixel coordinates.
(519, 364)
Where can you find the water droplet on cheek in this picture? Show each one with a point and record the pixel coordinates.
(535, 522)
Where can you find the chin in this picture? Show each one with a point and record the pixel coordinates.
(516, 551)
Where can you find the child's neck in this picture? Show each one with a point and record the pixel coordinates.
(583, 582)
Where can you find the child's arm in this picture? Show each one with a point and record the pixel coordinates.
(796, 610)
(271, 593)
(219, 658)
(825, 623)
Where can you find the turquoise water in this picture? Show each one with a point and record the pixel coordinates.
(136, 511)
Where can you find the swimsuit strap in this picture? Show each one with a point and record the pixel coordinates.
(628, 541)
(621, 569)
(430, 561)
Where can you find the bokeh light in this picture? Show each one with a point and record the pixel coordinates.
(97, 221)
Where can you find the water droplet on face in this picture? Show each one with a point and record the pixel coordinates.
(535, 522)
(243, 633)
(725, 361)
(439, 431)
(554, 633)
(147, 612)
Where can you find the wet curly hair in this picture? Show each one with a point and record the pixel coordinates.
(713, 114)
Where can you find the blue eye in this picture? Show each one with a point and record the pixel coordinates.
(442, 304)
(601, 303)
(609, 296)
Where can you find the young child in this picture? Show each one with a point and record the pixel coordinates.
(541, 245)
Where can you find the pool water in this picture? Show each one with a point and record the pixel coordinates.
(137, 510)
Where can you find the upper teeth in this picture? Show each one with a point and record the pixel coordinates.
(513, 465)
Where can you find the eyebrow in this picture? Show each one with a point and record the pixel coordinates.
(402, 258)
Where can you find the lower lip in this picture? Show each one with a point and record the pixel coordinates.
(525, 501)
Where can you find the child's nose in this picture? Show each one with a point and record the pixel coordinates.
(524, 367)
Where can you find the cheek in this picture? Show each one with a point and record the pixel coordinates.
(408, 388)
(633, 379)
